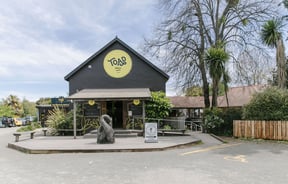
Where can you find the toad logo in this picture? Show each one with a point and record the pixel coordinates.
(117, 63)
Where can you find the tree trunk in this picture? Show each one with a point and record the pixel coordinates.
(206, 93)
(281, 64)
(205, 86)
(215, 93)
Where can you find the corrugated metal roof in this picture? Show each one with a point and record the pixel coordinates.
(123, 93)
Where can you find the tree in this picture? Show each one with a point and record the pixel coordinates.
(285, 2)
(193, 26)
(14, 103)
(159, 106)
(6, 111)
(197, 90)
(43, 101)
(28, 108)
(271, 36)
(194, 91)
(216, 59)
(271, 104)
(254, 68)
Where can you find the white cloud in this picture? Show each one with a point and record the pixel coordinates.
(47, 18)
(4, 72)
(40, 61)
(42, 41)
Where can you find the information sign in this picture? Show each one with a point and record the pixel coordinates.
(151, 135)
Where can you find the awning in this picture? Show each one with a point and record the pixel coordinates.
(112, 94)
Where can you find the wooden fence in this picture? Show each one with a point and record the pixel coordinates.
(274, 130)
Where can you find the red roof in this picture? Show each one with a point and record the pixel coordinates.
(187, 102)
(237, 97)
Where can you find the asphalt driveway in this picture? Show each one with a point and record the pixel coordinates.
(233, 163)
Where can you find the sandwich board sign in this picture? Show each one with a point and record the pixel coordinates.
(151, 135)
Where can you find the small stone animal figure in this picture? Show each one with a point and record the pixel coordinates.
(105, 133)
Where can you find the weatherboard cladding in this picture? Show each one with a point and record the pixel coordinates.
(100, 94)
(91, 75)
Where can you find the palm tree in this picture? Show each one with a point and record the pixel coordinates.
(216, 59)
(271, 36)
(14, 102)
(285, 2)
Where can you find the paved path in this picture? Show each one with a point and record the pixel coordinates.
(236, 163)
(58, 144)
(207, 139)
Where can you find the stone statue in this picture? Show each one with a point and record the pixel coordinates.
(105, 132)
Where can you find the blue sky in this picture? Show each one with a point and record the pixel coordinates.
(43, 40)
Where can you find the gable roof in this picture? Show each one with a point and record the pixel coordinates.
(240, 96)
(237, 97)
(116, 39)
(187, 102)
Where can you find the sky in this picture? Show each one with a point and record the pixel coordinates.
(41, 41)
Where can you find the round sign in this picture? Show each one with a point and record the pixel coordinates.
(91, 102)
(117, 63)
(151, 130)
(136, 102)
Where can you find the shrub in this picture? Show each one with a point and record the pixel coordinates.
(167, 127)
(57, 119)
(228, 115)
(90, 124)
(136, 123)
(159, 106)
(272, 104)
(31, 127)
(212, 119)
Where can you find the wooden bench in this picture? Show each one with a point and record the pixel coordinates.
(18, 134)
(163, 131)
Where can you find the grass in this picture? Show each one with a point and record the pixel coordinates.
(33, 126)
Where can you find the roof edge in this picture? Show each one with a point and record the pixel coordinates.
(116, 39)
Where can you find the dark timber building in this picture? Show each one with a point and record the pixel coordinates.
(116, 81)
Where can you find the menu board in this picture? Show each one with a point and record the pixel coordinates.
(137, 110)
(91, 110)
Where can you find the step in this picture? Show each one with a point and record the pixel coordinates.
(94, 136)
(118, 133)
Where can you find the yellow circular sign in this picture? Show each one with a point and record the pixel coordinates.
(117, 63)
(136, 102)
(91, 102)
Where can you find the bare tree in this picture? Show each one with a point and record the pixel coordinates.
(192, 26)
(254, 67)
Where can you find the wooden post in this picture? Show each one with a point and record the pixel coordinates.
(74, 118)
(143, 116)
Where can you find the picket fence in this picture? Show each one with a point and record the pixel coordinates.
(274, 130)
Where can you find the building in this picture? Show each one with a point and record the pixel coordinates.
(237, 98)
(116, 81)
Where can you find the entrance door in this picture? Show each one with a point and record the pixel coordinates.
(115, 110)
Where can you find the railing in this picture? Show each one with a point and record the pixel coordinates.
(177, 124)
